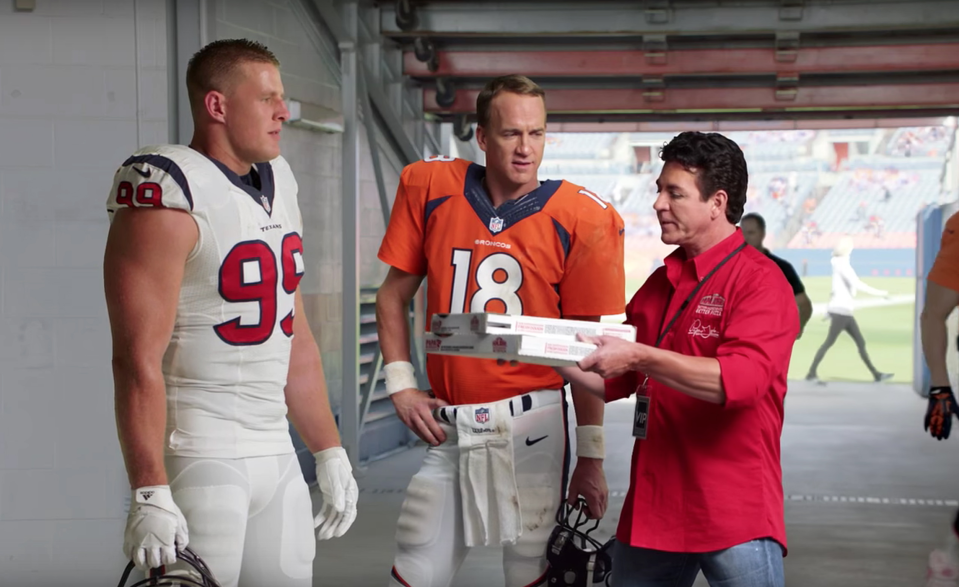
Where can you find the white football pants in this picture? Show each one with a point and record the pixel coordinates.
(430, 546)
(250, 520)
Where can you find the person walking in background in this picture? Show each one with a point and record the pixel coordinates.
(845, 284)
(753, 227)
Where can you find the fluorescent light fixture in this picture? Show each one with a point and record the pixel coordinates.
(314, 117)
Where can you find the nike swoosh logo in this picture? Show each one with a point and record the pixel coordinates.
(535, 440)
(143, 172)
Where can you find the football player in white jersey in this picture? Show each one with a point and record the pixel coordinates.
(211, 347)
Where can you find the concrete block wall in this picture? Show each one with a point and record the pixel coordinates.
(316, 159)
(372, 226)
(69, 115)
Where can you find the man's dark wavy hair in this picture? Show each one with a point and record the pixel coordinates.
(718, 163)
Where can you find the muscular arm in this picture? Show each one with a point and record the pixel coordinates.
(392, 314)
(805, 310)
(143, 266)
(306, 398)
(940, 301)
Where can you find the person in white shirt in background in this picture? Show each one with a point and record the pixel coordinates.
(845, 284)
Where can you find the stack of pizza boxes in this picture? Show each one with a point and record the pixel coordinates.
(527, 339)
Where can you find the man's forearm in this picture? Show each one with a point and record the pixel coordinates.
(581, 380)
(698, 377)
(393, 328)
(934, 337)
(307, 401)
(589, 406)
(140, 406)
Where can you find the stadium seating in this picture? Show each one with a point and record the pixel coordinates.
(873, 195)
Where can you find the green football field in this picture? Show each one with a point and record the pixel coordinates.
(888, 332)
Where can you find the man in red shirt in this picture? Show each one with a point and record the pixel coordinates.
(715, 329)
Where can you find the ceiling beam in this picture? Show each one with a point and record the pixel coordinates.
(742, 125)
(701, 102)
(610, 19)
(636, 63)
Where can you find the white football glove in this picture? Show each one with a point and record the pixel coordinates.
(156, 529)
(338, 488)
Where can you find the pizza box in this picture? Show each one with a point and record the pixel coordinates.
(510, 347)
(553, 328)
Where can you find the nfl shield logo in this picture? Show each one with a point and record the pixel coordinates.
(266, 203)
(495, 225)
(482, 415)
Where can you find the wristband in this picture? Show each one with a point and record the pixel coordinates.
(590, 443)
(399, 376)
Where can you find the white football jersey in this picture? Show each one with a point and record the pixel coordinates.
(226, 365)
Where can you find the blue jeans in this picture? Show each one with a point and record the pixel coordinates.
(758, 563)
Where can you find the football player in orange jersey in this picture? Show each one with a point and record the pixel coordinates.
(495, 239)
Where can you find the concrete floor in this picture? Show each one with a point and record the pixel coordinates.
(842, 443)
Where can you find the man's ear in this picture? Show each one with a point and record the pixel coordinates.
(215, 104)
(481, 137)
(720, 202)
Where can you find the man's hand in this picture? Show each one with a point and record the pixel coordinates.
(415, 409)
(613, 357)
(942, 406)
(156, 529)
(334, 475)
(589, 481)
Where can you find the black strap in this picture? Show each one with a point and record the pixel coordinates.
(692, 295)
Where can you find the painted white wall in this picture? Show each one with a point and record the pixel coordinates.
(69, 115)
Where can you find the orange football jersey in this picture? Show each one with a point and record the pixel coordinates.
(555, 252)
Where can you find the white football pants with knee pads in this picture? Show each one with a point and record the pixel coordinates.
(430, 545)
(250, 520)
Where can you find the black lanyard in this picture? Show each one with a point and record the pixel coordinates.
(692, 295)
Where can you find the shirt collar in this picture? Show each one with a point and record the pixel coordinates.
(702, 263)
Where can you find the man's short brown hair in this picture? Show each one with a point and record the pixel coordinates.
(213, 67)
(516, 84)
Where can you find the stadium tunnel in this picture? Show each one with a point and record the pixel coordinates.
(374, 86)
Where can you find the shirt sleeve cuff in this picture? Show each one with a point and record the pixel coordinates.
(742, 379)
(620, 387)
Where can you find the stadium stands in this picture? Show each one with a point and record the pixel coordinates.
(812, 187)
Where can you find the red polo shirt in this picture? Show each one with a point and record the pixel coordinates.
(708, 477)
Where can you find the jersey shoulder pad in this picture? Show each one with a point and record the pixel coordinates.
(163, 176)
(577, 203)
(283, 178)
(438, 170)
(287, 189)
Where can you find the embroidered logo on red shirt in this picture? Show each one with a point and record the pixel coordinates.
(697, 328)
(711, 305)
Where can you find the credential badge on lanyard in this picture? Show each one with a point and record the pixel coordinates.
(641, 415)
